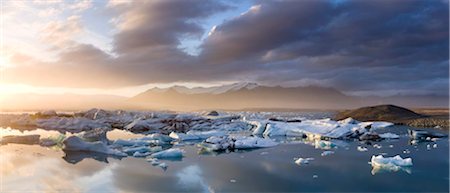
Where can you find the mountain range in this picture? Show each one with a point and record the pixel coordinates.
(237, 96)
(245, 95)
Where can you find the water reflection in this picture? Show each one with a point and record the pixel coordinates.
(74, 157)
(191, 177)
(27, 168)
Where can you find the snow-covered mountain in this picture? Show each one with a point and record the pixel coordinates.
(211, 90)
(242, 96)
(247, 95)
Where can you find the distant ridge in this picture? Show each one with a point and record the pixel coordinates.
(244, 95)
(247, 95)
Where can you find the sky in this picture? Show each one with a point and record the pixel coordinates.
(375, 47)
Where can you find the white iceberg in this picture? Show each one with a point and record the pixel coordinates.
(196, 135)
(74, 143)
(259, 127)
(303, 161)
(71, 124)
(236, 142)
(320, 127)
(395, 163)
(243, 142)
(169, 153)
(359, 148)
(326, 153)
(389, 136)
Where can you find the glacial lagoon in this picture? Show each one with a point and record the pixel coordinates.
(33, 168)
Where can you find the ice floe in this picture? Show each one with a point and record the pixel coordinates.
(424, 135)
(326, 153)
(236, 142)
(196, 135)
(389, 136)
(74, 143)
(394, 164)
(320, 127)
(362, 149)
(169, 153)
(303, 161)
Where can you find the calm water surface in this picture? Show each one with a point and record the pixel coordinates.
(31, 168)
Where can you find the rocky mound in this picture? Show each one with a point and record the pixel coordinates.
(389, 113)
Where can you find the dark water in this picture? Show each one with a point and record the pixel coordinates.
(31, 168)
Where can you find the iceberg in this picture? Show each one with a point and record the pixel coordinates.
(359, 148)
(140, 125)
(320, 127)
(326, 153)
(389, 136)
(169, 153)
(303, 161)
(196, 135)
(216, 143)
(259, 126)
(424, 135)
(243, 142)
(395, 163)
(139, 154)
(74, 143)
(74, 125)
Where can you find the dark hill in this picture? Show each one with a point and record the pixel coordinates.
(390, 113)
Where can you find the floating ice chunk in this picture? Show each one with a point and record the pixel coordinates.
(140, 149)
(321, 127)
(131, 142)
(196, 135)
(243, 142)
(139, 154)
(322, 144)
(389, 163)
(325, 153)
(76, 125)
(378, 146)
(74, 143)
(389, 136)
(236, 142)
(259, 127)
(169, 153)
(303, 161)
(420, 134)
(435, 145)
(406, 151)
(360, 148)
(369, 136)
(145, 125)
(377, 124)
(156, 162)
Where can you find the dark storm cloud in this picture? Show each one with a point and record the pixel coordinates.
(351, 45)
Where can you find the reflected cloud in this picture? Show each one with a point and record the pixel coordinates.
(191, 177)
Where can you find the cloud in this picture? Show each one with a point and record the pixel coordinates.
(61, 33)
(351, 45)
